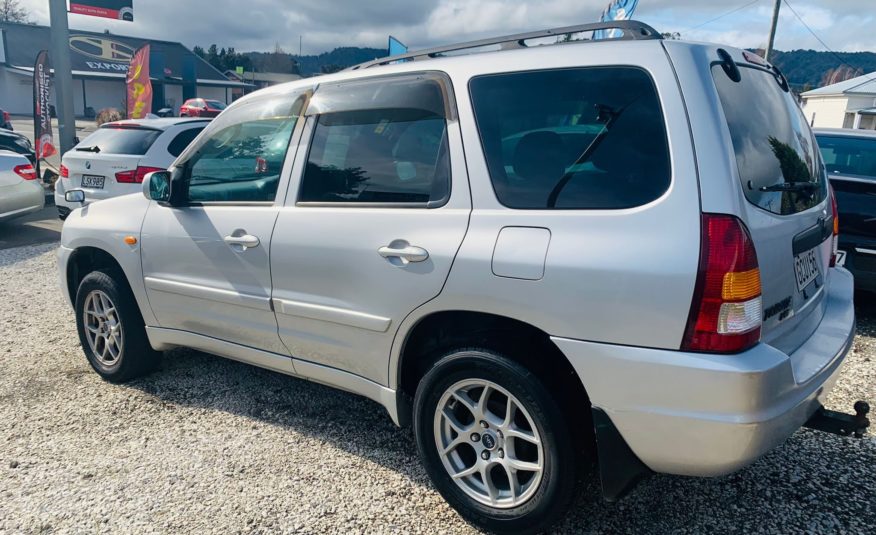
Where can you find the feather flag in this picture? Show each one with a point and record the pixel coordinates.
(616, 10)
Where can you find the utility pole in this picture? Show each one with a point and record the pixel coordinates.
(63, 79)
(769, 50)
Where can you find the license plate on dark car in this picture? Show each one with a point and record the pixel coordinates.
(93, 181)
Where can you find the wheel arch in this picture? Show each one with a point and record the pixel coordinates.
(83, 260)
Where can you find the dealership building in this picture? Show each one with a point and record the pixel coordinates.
(100, 64)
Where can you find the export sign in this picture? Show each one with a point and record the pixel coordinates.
(109, 9)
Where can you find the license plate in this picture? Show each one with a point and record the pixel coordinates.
(92, 181)
(806, 268)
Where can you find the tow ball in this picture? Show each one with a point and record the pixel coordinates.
(840, 423)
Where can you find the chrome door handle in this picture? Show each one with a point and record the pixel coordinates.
(243, 242)
(405, 253)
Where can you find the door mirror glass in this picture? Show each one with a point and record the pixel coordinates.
(156, 186)
(75, 195)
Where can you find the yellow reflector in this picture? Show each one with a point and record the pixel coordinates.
(742, 285)
(130, 240)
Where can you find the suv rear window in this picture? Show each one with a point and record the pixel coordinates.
(773, 144)
(847, 155)
(583, 138)
(120, 140)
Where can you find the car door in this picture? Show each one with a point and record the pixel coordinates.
(206, 264)
(374, 217)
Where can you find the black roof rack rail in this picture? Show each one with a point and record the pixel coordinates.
(632, 30)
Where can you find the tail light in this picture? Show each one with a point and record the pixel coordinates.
(25, 171)
(726, 313)
(835, 243)
(6, 117)
(135, 176)
(65, 173)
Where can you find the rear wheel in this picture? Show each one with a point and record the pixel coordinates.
(111, 329)
(494, 442)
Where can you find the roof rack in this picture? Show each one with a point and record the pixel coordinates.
(632, 30)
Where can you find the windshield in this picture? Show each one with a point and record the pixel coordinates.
(114, 140)
(216, 105)
(845, 155)
(779, 168)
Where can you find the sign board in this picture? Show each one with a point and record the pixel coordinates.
(108, 9)
(42, 118)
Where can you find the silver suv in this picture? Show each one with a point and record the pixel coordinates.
(616, 252)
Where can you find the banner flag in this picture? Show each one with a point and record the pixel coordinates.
(42, 116)
(616, 10)
(396, 47)
(139, 85)
(108, 9)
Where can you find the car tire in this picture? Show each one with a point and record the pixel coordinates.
(111, 328)
(445, 411)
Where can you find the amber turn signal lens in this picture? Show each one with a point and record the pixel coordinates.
(739, 286)
(130, 240)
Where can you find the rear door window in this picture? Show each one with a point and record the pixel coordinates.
(775, 149)
(182, 140)
(583, 138)
(845, 155)
(116, 140)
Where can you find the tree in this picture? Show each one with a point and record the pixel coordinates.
(12, 11)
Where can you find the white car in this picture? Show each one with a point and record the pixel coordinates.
(113, 160)
(20, 192)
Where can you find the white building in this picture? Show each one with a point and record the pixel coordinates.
(849, 104)
(100, 63)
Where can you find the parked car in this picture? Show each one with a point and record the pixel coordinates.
(20, 191)
(850, 158)
(201, 107)
(113, 160)
(17, 143)
(598, 290)
(5, 120)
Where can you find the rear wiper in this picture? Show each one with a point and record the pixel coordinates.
(790, 186)
(94, 148)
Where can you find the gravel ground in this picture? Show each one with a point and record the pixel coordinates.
(210, 445)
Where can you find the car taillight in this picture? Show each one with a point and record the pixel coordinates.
(6, 117)
(135, 176)
(65, 173)
(835, 243)
(25, 171)
(726, 313)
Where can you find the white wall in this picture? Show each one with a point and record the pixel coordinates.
(16, 92)
(829, 112)
(213, 93)
(99, 94)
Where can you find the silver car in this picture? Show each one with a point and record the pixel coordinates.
(20, 190)
(540, 257)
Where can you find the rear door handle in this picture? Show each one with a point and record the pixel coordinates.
(241, 242)
(403, 252)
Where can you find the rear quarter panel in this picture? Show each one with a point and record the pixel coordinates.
(616, 276)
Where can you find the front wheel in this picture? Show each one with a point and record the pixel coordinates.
(111, 329)
(494, 442)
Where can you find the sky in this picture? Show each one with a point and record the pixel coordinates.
(249, 25)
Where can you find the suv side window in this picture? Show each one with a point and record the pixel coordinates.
(241, 156)
(182, 140)
(391, 148)
(582, 138)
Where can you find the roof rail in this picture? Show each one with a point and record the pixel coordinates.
(632, 30)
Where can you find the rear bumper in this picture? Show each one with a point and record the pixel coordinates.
(707, 415)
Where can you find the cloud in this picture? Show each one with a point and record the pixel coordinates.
(325, 24)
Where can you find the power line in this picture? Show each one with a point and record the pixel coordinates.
(719, 17)
(815, 35)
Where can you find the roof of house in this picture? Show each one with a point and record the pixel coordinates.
(861, 85)
(104, 55)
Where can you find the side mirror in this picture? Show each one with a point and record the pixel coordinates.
(75, 195)
(156, 186)
(166, 187)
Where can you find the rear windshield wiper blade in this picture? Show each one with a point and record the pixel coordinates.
(790, 186)
(94, 148)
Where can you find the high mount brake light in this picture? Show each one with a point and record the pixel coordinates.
(726, 312)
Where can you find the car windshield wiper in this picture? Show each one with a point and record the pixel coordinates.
(94, 148)
(790, 186)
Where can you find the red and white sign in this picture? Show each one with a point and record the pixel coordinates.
(109, 9)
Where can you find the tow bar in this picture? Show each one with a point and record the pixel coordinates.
(840, 423)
